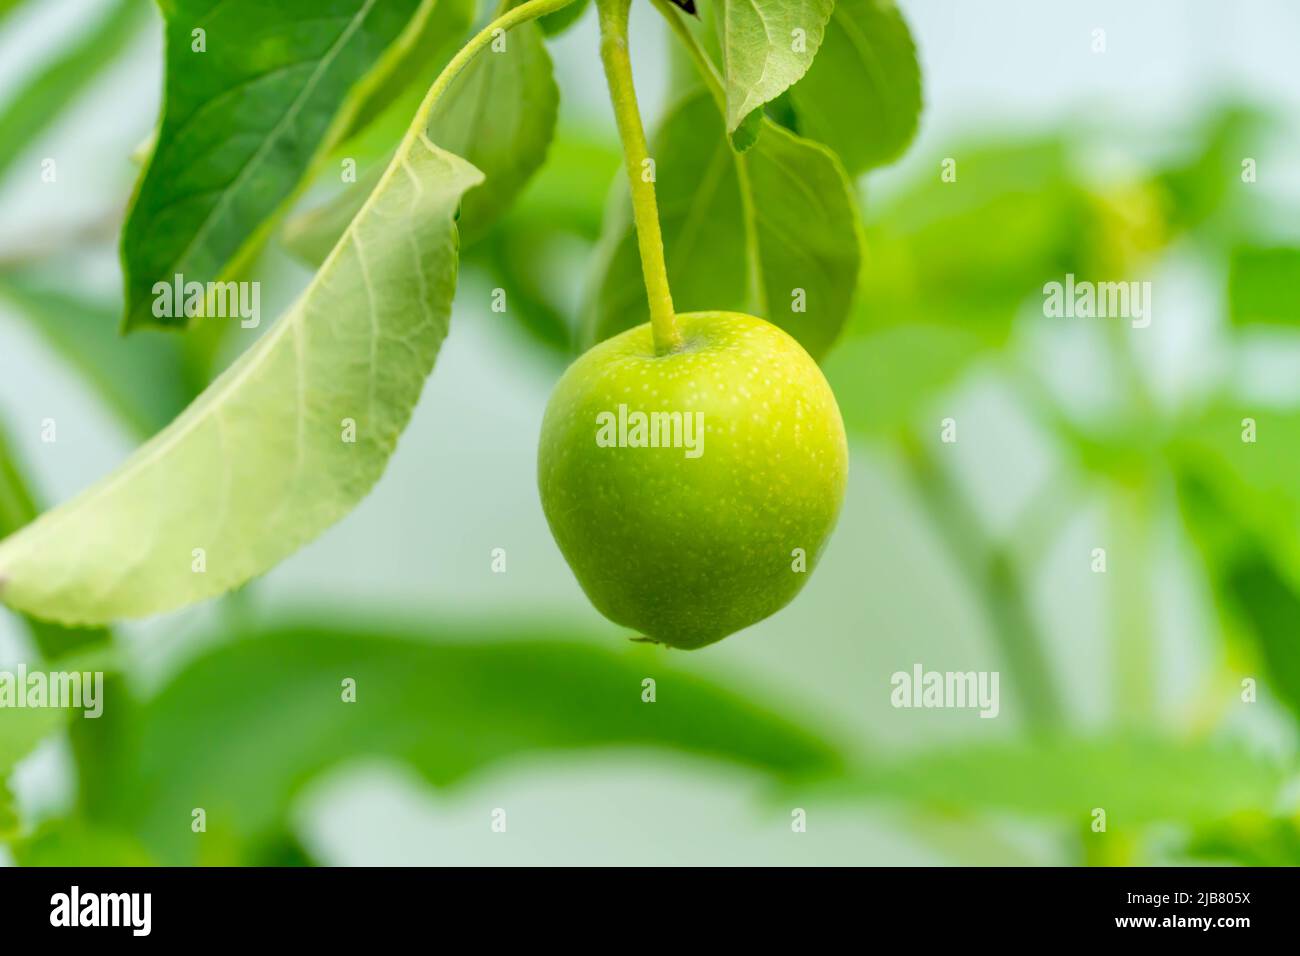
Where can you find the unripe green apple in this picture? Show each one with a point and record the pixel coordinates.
(692, 524)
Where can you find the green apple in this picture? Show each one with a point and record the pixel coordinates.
(692, 492)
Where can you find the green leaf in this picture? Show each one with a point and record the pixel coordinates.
(553, 24)
(800, 231)
(310, 235)
(1135, 779)
(79, 843)
(499, 114)
(1256, 483)
(570, 191)
(862, 95)
(1203, 186)
(242, 124)
(437, 31)
(767, 45)
(885, 378)
(1269, 607)
(1244, 563)
(144, 380)
(559, 213)
(1264, 286)
(932, 264)
(20, 731)
(450, 702)
(1249, 839)
(42, 100)
(259, 464)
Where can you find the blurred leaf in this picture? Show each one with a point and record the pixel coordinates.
(259, 464)
(56, 84)
(506, 140)
(511, 261)
(1270, 606)
(1264, 286)
(1203, 185)
(862, 95)
(268, 710)
(553, 24)
(803, 236)
(1249, 839)
(242, 124)
(1256, 484)
(1136, 780)
(767, 45)
(937, 292)
(143, 380)
(20, 731)
(80, 844)
(932, 248)
(559, 209)
(569, 192)
(884, 380)
(9, 822)
(437, 31)
(1249, 584)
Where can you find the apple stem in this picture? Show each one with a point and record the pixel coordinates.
(640, 177)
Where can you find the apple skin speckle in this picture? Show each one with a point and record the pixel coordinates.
(687, 550)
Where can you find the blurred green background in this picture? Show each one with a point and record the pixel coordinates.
(479, 691)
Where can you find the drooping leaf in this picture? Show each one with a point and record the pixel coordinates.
(1135, 779)
(270, 710)
(18, 508)
(862, 95)
(56, 84)
(310, 235)
(1264, 286)
(499, 114)
(767, 45)
(250, 105)
(792, 257)
(281, 445)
